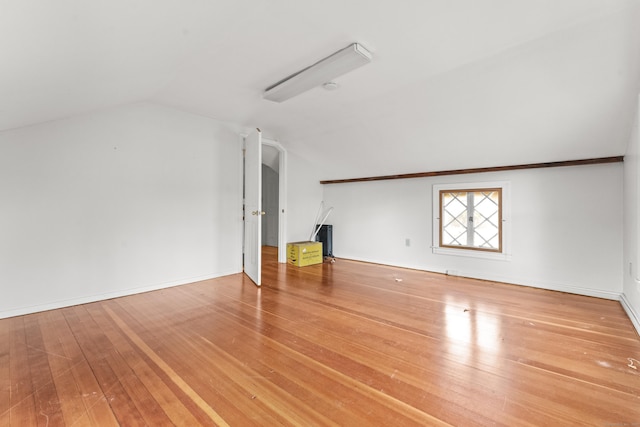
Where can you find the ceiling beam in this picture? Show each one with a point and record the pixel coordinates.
(596, 161)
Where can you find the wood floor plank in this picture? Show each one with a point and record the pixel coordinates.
(82, 401)
(370, 370)
(347, 343)
(45, 394)
(289, 359)
(343, 362)
(100, 356)
(22, 393)
(218, 369)
(54, 332)
(5, 373)
(122, 364)
(179, 414)
(143, 367)
(200, 380)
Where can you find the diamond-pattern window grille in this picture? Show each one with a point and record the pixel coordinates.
(471, 219)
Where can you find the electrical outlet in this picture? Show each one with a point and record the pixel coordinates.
(407, 242)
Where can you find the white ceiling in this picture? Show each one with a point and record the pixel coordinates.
(453, 84)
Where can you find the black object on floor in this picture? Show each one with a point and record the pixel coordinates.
(325, 235)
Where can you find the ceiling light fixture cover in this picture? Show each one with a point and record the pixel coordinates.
(325, 70)
(330, 85)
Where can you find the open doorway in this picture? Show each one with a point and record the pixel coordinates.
(270, 195)
(274, 197)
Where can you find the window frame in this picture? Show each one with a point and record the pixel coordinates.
(470, 226)
(503, 253)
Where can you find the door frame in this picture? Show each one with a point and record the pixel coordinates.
(282, 197)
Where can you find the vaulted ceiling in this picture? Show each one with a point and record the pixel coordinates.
(453, 84)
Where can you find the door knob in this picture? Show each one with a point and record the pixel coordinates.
(258, 213)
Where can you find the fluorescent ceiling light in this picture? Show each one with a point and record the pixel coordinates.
(325, 70)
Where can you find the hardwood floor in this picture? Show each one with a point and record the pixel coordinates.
(335, 344)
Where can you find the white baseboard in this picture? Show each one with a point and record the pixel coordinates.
(560, 287)
(633, 315)
(550, 286)
(100, 297)
(547, 285)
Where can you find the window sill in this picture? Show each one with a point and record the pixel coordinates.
(472, 254)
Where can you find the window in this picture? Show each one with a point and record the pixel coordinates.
(471, 219)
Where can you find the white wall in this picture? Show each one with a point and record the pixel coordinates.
(304, 194)
(116, 202)
(566, 227)
(631, 265)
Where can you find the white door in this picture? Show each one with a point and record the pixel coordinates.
(253, 206)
